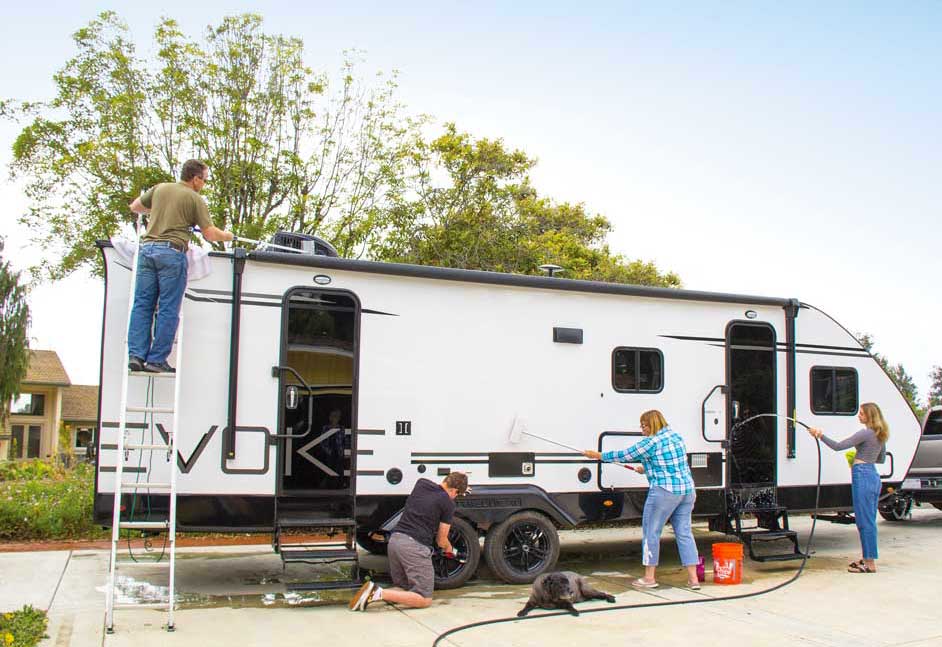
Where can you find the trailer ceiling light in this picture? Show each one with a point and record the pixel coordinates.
(751, 314)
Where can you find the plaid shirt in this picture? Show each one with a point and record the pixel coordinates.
(664, 457)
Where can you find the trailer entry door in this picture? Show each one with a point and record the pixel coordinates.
(317, 401)
(750, 365)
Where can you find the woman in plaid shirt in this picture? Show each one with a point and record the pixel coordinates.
(663, 457)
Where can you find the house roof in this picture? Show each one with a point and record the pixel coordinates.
(45, 367)
(80, 402)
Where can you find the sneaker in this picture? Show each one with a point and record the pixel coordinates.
(377, 594)
(163, 367)
(135, 364)
(360, 599)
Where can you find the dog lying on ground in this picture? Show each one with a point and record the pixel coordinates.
(559, 591)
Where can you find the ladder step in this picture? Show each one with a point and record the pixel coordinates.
(315, 555)
(133, 446)
(132, 487)
(289, 520)
(164, 563)
(144, 525)
(151, 375)
(141, 605)
(149, 410)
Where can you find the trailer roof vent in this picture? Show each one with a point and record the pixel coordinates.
(304, 243)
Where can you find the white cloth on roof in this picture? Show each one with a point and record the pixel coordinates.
(197, 258)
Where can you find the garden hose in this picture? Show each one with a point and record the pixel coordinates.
(801, 567)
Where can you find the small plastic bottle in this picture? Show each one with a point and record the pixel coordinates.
(701, 570)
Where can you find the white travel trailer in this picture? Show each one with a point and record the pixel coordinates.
(317, 390)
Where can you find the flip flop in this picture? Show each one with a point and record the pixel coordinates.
(859, 568)
(641, 584)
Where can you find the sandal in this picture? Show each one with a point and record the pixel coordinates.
(859, 568)
(859, 562)
(693, 586)
(641, 583)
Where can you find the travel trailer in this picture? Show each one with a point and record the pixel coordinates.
(315, 390)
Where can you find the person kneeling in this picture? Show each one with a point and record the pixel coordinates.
(426, 519)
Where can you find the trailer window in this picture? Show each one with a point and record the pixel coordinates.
(834, 391)
(933, 424)
(637, 370)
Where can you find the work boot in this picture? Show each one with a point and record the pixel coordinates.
(360, 598)
(163, 367)
(135, 364)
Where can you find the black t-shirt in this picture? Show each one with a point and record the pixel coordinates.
(427, 506)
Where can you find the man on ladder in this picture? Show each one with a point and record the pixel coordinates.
(175, 208)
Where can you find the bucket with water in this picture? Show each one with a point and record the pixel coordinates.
(727, 563)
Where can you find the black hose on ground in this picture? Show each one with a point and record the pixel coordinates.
(622, 607)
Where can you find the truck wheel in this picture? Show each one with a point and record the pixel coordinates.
(370, 545)
(896, 508)
(452, 573)
(521, 547)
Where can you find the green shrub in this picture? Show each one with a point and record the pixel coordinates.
(28, 470)
(59, 506)
(23, 628)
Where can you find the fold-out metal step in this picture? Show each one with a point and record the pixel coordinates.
(754, 538)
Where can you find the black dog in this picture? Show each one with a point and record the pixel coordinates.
(560, 591)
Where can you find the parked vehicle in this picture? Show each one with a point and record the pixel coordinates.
(317, 390)
(923, 482)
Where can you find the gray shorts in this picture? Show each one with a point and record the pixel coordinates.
(410, 565)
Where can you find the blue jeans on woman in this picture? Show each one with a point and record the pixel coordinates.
(661, 506)
(865, 488)
(161, 282)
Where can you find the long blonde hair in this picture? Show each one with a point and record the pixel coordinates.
(655, 421)
(875, 421)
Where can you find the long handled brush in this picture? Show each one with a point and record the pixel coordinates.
(519, 430)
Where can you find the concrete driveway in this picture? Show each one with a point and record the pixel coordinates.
(239, 596)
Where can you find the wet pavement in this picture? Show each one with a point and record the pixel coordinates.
(242, 595)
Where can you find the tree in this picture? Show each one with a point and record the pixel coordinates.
(935, 388)
(14, 340)
(469, 203)
(903, 380)
(287, 147)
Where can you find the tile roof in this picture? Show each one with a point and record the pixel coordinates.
(46, 368)
(80, 402)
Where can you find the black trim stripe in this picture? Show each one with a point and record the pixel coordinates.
(689, 338)
(129, 425)
(244, 303)
(364, 452)
(367, 311)
(131, 470)
(255, 295)
(371, 432)
(816, 352)
(454, 462)
(370, 472)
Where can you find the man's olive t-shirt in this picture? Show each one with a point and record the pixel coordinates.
(174, 209)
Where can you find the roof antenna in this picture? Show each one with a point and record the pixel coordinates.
(552, 270)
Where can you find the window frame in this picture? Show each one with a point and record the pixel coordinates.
(32, 399)
(833, 370)
(638, 349)
(23, 453)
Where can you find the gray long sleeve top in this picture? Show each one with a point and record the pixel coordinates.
(869, 449)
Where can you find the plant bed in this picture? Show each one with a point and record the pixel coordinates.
(23, 628)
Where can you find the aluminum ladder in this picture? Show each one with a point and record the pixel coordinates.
(125, 446)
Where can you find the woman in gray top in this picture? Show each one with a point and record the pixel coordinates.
(870, 443)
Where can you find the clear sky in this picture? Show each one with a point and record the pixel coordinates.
(785, 149)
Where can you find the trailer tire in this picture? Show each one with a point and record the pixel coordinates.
(522, 547)
(897, 508)
(370, 545)
(452, 573)
(938, 506)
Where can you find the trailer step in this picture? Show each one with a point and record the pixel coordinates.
(309, 554)
(840, 517)
(163, 376)
(296, 520)
(753, 538)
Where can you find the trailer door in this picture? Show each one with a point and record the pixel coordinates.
(317, 394)
(750, 366)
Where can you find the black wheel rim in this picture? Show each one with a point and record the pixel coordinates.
(446, 568)
(526, 547)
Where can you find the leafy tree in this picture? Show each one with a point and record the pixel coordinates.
(903, 380)
(469, 203)
(287, 147)
(14, 340)
(935, 389)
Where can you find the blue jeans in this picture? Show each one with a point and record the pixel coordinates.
(865, 487)
(161, 281)
(660, 506)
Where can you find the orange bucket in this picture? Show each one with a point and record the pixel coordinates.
(727, 563)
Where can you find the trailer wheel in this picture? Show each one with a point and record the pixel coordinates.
(370, 545)
(452, 573)
(896, 508)
(521, 547)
